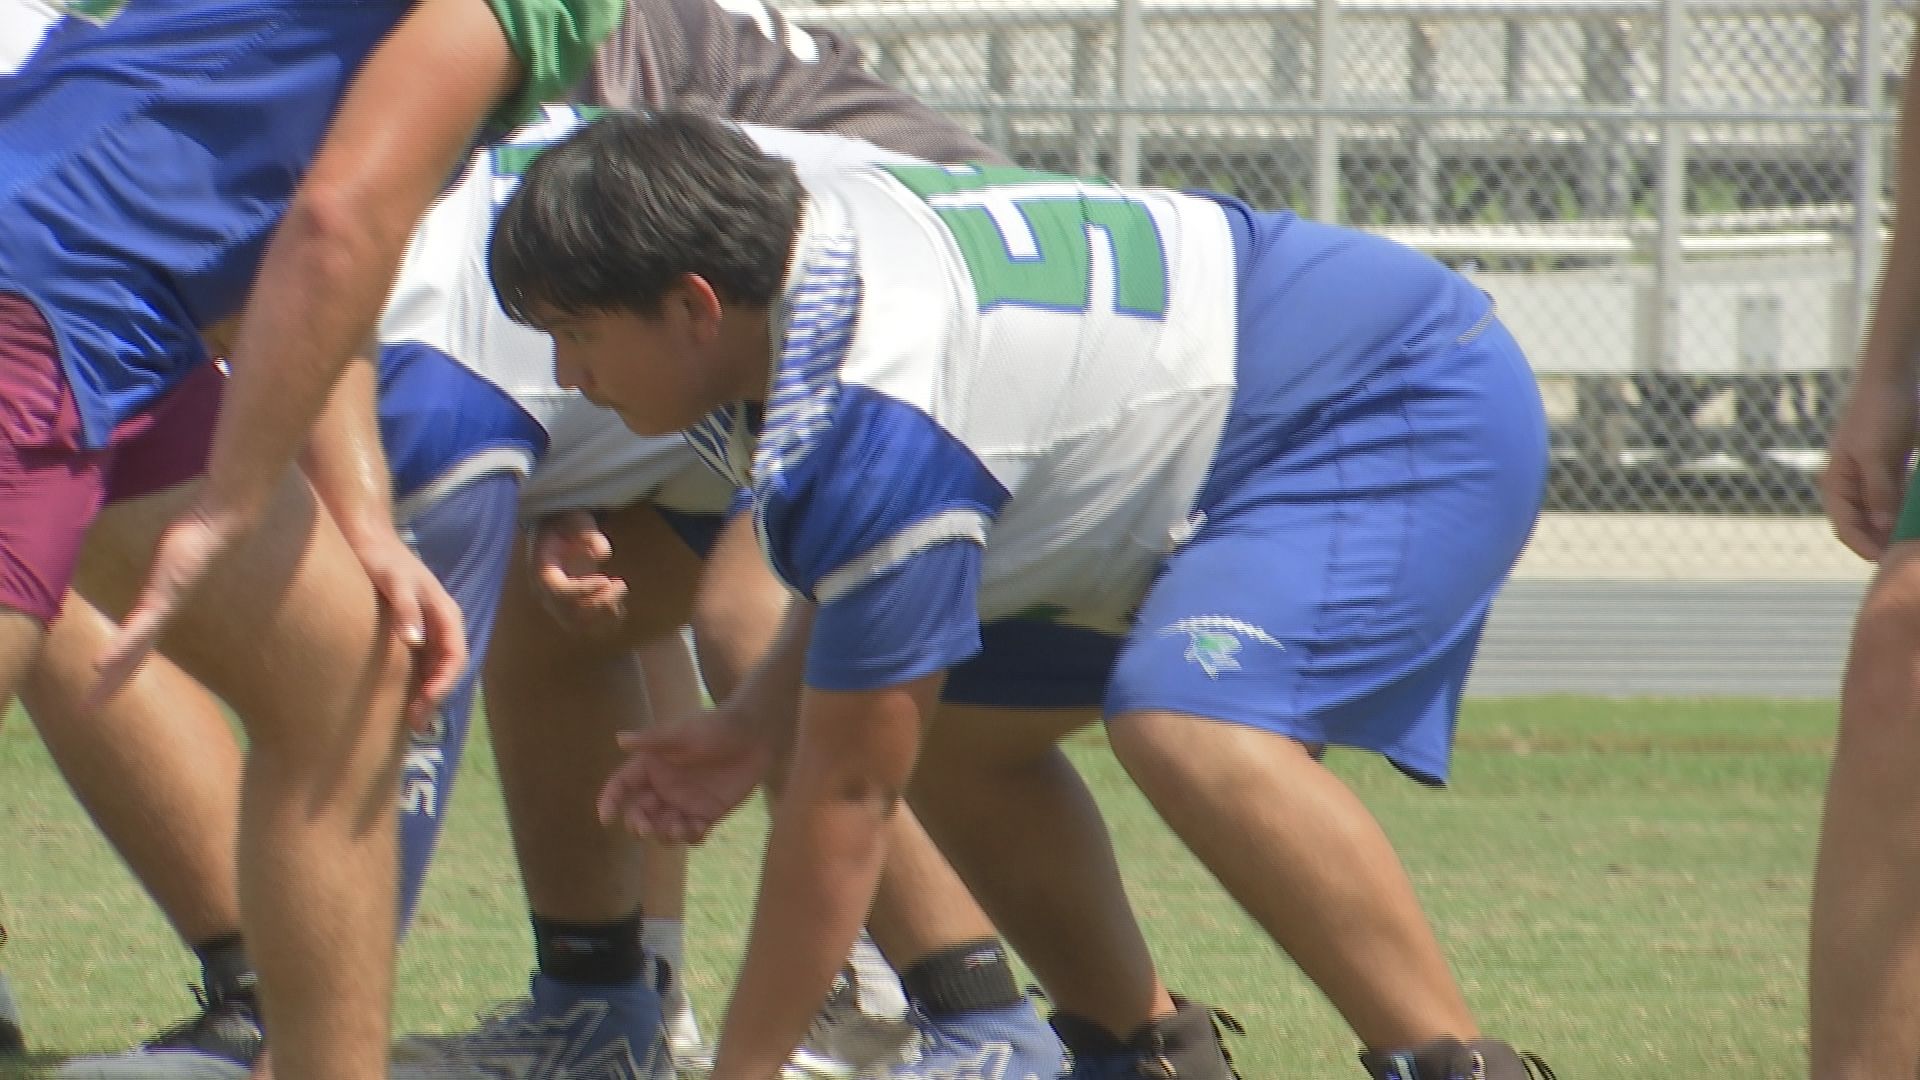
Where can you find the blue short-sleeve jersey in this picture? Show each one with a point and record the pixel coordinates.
(145, 159)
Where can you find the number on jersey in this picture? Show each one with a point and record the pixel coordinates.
(1036, 239)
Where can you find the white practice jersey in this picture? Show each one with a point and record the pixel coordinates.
(443, 299)
(1029, 366)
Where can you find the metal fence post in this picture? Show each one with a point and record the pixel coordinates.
(1606, 62)
(1670, 185)
(1326, 128)
(1086, 81)
(1423, 86)
(1128, 43)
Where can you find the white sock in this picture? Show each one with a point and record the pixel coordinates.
(666, 939)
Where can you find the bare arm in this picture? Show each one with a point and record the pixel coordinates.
(405, 123)
(348, 469)
(1866, 477)
(851, 766)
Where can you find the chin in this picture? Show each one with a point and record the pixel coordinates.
(641, 425)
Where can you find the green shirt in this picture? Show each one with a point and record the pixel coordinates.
(554, 40)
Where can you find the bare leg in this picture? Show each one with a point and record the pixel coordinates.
(1008, 808)
(673, 689)
(158, 769)
(555, 701)
(1865, 971)
(290, 635)
(1301, 854)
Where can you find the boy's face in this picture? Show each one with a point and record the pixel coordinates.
(660, 372)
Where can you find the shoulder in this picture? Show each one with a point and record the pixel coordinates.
(554, 41)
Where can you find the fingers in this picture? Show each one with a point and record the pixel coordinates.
(645, 797)
(567, 551)
(439, 666)
(132, 642)
(179, 562)
(1863, 505)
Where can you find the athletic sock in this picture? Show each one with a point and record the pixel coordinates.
(665, 938)
(589, 954)
(972, 975)
(226, 971)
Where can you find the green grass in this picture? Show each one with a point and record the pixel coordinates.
(1622, 886)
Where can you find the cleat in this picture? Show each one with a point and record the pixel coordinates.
(561, 1032)
(1007, 1043)
(1451, 1059)
(845, 1037)
(1185, 1046)
(13, 1041)
(222, 1043)
(685, 1042)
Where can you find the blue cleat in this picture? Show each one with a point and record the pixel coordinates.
(1008, 1043)
(562, 1032)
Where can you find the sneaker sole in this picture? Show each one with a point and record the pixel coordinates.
(803, 1066)
(153, 1065)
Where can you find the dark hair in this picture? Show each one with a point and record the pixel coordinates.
(610, 217)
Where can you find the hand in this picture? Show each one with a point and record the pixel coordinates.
(180, 560)
(680, 779)
(1866, 475)
(425, 617)
(566, 552)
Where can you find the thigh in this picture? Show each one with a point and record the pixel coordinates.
(286, 630)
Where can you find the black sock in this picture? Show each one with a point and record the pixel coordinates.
(591, 954)
(225, 970)
(973, 975)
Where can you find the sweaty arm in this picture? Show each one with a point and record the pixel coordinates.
(406, 122)
(876, 655)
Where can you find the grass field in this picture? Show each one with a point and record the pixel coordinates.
(1622, 886)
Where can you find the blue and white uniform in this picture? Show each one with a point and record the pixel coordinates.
(479, 436)
(1077, 444)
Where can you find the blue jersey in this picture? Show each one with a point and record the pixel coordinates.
(146, 155)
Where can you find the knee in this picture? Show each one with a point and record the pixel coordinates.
(1882, 685)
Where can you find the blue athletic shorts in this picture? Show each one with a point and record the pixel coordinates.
(466, 538)
(1376, 481)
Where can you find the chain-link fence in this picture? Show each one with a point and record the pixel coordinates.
(1679, 204)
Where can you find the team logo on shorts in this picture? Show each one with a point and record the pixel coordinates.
(1214, 641)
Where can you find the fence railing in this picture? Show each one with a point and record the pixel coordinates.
(1680, 203)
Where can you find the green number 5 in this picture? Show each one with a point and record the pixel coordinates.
(1028, 237)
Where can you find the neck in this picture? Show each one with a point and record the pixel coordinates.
(747, 336)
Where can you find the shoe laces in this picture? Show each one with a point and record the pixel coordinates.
(1536, 1067)
(1153, 1055)
(213, 1007)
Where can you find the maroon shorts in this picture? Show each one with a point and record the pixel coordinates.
(51, 485)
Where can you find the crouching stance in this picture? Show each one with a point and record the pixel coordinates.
(1036, 450)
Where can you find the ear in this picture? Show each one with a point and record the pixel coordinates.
(694, 300)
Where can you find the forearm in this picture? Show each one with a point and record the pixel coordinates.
(344, 460)
(854, 758)
(407, 120)
(1893, 333)
(823, 865)
(289, 352)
